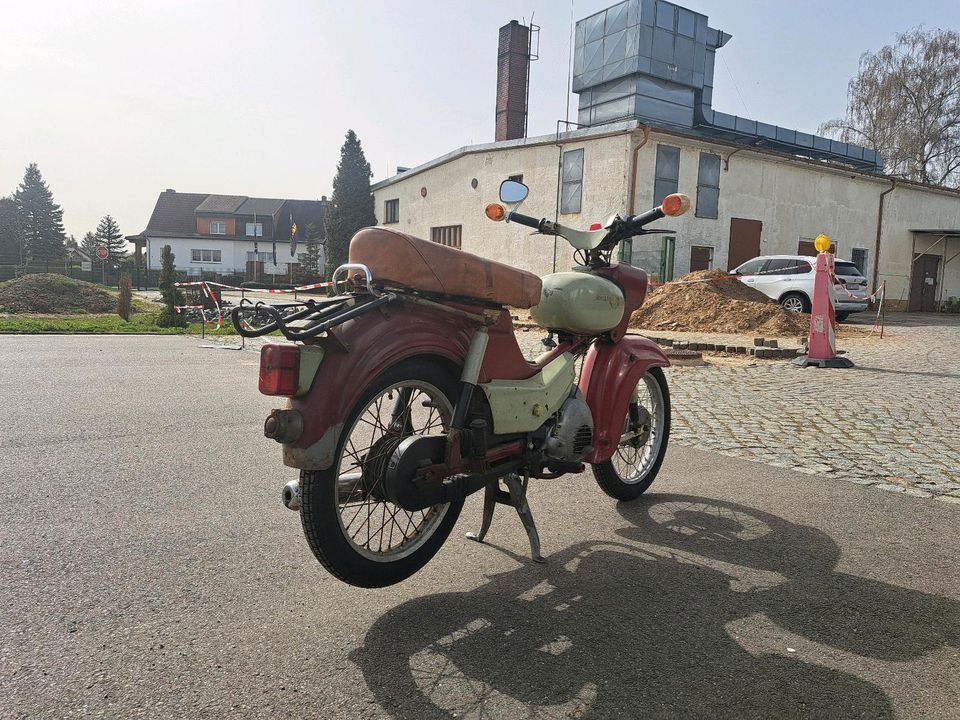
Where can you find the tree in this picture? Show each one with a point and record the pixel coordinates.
(41, 219)
(351, 206)
(108, 234)
(89, 245)
(169, 317)
(311, 259)
(905, 102)
(11, 235)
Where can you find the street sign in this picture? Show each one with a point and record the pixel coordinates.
(102, 252)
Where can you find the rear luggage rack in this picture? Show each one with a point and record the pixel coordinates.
(307, 319)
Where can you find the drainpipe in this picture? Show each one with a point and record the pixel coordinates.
(633, 170)
(876, 247)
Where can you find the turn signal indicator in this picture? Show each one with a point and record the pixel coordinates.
(495, 211)
(675, 204)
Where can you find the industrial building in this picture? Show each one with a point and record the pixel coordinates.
(643, 70)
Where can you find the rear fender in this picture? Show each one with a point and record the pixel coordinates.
(364, 348)
(610, 373)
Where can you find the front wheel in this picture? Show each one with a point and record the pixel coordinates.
(646, 428)
(353, 529)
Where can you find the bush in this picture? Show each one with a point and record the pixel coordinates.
(125, 298)
(169, 317)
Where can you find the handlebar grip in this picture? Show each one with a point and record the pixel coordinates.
(638, 221)
(524, 220)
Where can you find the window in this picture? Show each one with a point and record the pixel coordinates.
(572, 181)
(708, 186)
(859, 258)
(263, 257)
(205, 256)
(516, 178)
(218, 227)
(786, 266)
(391, 211)
(806, 247)
(448, 235)
(254, 229)
(846, 269)
(667, 175)
(701, 257)
(751, 267)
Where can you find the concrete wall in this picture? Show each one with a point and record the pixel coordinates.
(793, 199)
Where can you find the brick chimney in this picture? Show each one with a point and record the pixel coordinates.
(513, 78)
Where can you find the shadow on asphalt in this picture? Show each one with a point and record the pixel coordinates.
(700, 608)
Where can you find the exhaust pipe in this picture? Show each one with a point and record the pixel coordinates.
(291, 495)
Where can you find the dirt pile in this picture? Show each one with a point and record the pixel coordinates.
(706, 301)
(54, 294)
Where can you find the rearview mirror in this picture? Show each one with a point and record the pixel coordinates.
(513, 192)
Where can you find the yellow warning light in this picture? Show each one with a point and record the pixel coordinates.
(822, 243)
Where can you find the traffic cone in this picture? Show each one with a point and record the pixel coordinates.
(822, 340)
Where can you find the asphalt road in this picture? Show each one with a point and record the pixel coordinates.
(149, 570)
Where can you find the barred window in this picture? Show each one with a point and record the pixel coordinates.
(391, 211)
(448, 235)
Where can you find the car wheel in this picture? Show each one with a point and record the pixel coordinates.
(842, 316)
(795, 303)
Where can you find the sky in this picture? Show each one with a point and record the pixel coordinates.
(118, 100)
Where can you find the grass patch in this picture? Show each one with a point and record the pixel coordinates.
(101, 323)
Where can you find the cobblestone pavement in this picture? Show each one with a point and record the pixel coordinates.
(892, 422)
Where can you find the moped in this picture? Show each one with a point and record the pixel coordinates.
(407, 390)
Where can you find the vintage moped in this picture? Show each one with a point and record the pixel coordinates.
(407, 390)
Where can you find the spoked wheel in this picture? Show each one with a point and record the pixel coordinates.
(646, 429)
(351, 526)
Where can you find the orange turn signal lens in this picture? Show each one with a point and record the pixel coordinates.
(676, 204)
(495, 211)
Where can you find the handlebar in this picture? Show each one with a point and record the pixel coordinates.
(524, 220)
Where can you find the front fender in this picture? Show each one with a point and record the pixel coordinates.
(610, 373)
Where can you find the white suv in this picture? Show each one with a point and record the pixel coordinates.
(788, 279)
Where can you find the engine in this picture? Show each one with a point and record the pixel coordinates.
(571, 437)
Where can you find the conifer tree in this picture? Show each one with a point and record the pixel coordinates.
(108, 234)
(311, 259)
(41, 219)
(11, 237)
(168, 317)
(89, 245)
(351, 206)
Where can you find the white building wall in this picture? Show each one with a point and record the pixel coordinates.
(451, 199)
(792, 198)
(233, 254)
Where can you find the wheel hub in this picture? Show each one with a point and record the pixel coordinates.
(375, 466)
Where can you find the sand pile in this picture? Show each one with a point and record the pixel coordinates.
(719, 305)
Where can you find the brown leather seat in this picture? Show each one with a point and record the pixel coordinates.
(398, 259)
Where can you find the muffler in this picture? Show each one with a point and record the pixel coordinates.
(291, 495)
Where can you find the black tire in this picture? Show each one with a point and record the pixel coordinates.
(842, 316)
(320, 511)
(606, 474)
(791, 298)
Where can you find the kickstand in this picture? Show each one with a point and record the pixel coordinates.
(517, 497)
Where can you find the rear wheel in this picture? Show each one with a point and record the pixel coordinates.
(842, 316)
(795, 303)
(352, 528)
(646, 429)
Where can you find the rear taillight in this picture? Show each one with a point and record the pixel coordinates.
(279, 369)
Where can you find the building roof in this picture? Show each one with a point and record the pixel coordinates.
(259, 206)
(174, 213)
(221, 204)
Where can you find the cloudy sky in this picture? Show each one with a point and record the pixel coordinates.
(118, 100)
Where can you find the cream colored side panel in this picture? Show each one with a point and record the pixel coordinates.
(524, 405)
